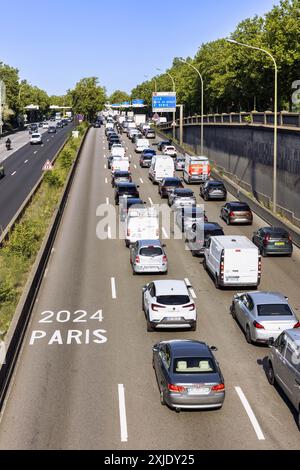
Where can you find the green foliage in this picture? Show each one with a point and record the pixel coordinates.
(88, 97)
(53, 178)
(24, 238)
(66, 157)
(119, 97)
(7, 291)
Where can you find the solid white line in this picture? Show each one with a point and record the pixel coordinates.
(122, 411)
(107, 201)
(106, 180)
(34, 153)
(250, 414)
(113, 288)
(192, 292)
(150, 200)
(13, 173)
(26, 161)
(141, 180)
(165, 233)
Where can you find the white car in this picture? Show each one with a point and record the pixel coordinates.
(168, 304)
(170, 150)
(117, 150)
(36, 138)
(141, 145)
(45, 125)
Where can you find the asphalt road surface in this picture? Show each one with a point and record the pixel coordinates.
(84, 378)
(23, 170)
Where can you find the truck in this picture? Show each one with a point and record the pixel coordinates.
(140, 119)
(197, 169)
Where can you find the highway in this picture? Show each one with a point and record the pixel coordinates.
(67, 388)
(23, 169)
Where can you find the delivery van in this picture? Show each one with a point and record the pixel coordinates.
(232, 261)
(120, 164)
(141, 145)
(141, 224)
(162, 166)
(196, 170)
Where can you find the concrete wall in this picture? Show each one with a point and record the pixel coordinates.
(246, 152)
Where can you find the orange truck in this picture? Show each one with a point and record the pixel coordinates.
(196, 170)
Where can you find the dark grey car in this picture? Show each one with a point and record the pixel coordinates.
(273, 241)
(188, 375)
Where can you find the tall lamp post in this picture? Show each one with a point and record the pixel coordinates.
(232, 41)
(202, 99)
(174, 112)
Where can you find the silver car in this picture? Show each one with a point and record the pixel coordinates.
(179, 163)
(263, 315)
(148, 256)
(179, 198)
(188, 375)
(284, 366)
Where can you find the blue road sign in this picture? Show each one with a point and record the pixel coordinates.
(163, 102)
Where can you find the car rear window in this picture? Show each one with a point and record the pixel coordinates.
(173, 299)
(128, 190)
(214, 233)
(184, 193)
(276, 235)
(194, 365)
(174, 183)
(274, 310)
(240, 208)
(151, 251)
(216, 186)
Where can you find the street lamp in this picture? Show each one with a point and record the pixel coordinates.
(174, 89)
(202, 98)
(232, 41)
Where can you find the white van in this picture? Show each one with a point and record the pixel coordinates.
(120, 164)
(118, 150)
(109, 125)
(162, 166)
(141, 145)
(141, 224)
(232, 261)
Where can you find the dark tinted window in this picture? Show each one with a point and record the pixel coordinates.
(213, 233)
(128, 190)
(173, 299)
(239, 207)
(184, 193)
(278, 234)
(216, 186)
(174, 183)
(194, 365)
(151, 251)
(274, 310)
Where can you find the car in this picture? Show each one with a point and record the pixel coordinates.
(283, 366)
(2, 170)
(263, 315)
(59, 124)
(148, 256)
(126, 189)
(188, 375)
(161, 144)
(151, 152)
(52, 130)
(170, 150)
(33, 128)
(167, 185)
(145, 160)
(45, 125)
(273, 241)
(36, 138)
(186, 217)
(127, 203)
(142, 224)
(236, 213)
(97, 125)
(65, 122)
(169, 304)
(179, 198)
(109, 161)
(197, 236)
(113, 140)
(117, 150)
(179, 163)
(136, 137)
(213, 190)
(120, 177)
(150, 134)
(40, 124)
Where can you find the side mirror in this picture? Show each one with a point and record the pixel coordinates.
(164, 245)
(155, 349)
(271, 342)
(138, 186)
(214, 348)
(145, 288)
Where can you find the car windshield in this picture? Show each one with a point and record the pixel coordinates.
(194, 365)
(173, 299)
(147, 157)
(121, 174)
(151, 251)
(274, 310)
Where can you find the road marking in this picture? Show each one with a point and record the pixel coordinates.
(192, 292)
(105, 167)
(122, 410)
(106, 180)
(42, 145)
(150, 200)
(48, 140)
(107, 201)
(104, 156)
(13, 173)
(134, 166)
(46, 273)
(103, 148)
(141, 180)
(250, 414)
(165, 233)
(113, 288)
(34, 153)
(26, 161)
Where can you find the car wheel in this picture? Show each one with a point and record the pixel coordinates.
(162, 398)
(248, 335)
(149, 327)
(227, 221)
(270, 374)
(264, 253)
(194, 327)
(178, 410)
(217, 282)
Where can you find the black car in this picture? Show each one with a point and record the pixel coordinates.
(127, 203)
(167, 185)
(162, 143)
(150, 134)
(213, 190)
(126, 189)
(199, 234)
(112, 141)
(97, 125)
(2, 171)
(273, 241)
(120, 177)
(59, 124)
(64, 122)
(33, 128)
(52, 130)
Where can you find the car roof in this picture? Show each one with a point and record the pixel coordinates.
(294, 334)
(189, 348)
(215, 182)
(265, 298)
(171, 288)
(275, 229)
(234, 241)
(212, 226)
(175, 178)
(237, 204)
(146, 243)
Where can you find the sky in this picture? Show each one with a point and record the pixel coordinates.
(55, 43)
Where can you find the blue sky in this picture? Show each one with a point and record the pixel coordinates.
(55, 43)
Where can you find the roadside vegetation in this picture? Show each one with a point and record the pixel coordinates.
(18, 253)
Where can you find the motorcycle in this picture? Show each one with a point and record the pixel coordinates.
(8, 145)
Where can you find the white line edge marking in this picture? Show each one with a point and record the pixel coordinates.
(26, 161)
(13, 173)
(106, 180)
(141, 180)
(34, 153)
(109, 232)
(107, 201)
(150, 200)
(250, 414)
(192, 292)
(104, 167)
(165, 233)
(122, 411)
(113, 288)
(135, 166)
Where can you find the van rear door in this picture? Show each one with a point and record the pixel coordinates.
(241, 266)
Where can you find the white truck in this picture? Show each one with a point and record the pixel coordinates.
(232, 261)
(196, 169)
(140, 119)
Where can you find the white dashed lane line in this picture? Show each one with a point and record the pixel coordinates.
(34, 153)
(165, 233)
(13, 173)
(113, 288)
(106, 180)
(141, 180)
(192, 292)
(150, 200)
(26, 161)
(122, 411)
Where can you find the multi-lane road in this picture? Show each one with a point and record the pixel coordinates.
(84, 379)
(23, 169)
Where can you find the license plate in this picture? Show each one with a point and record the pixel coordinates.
(279, 244)
(199, 391)
(233, 278)
(173, 318)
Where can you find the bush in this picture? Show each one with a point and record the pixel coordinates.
(66, 159)
(7, 291)
(53, 178)
(24, 239)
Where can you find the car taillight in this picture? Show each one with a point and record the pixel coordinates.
(155, 307)
(231, 214)
(258, 326)
(190, 306)
(259, 266)
(137, 259)
(297, 325)
(222, 266)
(164, 259)
(176, 388)
(266, 239)
(128, 232)
(218, 388)
(290, 238)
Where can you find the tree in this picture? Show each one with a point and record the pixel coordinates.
(88, 97)
(119, 96)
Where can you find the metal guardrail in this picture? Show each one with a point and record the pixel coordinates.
(267, 118)
(17, 330)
